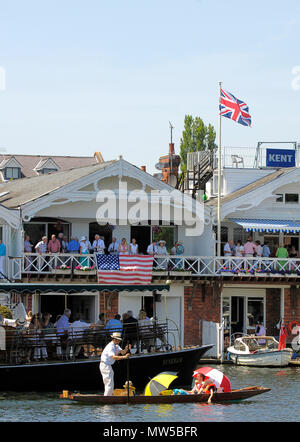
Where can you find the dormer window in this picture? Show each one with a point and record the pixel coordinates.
(46, 166)
(45, 171)
(12, 173)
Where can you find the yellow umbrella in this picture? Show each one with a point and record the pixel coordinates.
(159, 383)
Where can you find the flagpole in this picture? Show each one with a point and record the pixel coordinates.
(219, 185)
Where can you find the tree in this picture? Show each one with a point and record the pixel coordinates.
(196, 136)
(5, 312)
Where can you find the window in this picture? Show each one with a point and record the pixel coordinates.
(255, 311)
(167, 233)
(240, 234)
(45, 171)
(279, 197)
(12, 173)
(224, 237)
(292, 198)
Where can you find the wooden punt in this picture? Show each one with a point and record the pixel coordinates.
(234, 395)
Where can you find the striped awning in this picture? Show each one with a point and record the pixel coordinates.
(268, 225)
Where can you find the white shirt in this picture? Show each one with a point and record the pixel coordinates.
(110, 350)
(85, 246)
(113, 247)
(238, 250)
(99, 245)
(151, 250)
(227, 250)
(76, 327)
(259, 250)
(161, 250)
(133, 248)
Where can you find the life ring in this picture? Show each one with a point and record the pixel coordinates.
(292, 325)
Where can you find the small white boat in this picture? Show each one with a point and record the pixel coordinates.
(247, 350)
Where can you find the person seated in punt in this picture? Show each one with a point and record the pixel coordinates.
(124, 392)
(201, 386)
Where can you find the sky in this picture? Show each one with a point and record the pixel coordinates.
(108, 75)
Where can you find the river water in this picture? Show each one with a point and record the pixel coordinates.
(280, 404)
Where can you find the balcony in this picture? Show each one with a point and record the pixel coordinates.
(82, 268)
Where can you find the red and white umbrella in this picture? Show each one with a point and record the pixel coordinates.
(218, 378)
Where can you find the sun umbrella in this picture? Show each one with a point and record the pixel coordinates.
(218, 378)
(159, 383)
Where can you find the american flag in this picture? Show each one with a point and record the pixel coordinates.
(235, 109)
(124, 269)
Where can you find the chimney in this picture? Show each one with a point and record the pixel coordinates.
(98, 157)
(143, 168)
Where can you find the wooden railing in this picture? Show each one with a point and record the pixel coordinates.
(34, 263)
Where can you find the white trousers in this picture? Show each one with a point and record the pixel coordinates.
(108, 378)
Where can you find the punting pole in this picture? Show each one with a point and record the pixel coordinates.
(127, 379)
(219, 185)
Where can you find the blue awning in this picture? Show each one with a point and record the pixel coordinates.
(268, 225)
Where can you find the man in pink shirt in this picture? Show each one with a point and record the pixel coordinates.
(53, 245)
(249, 247)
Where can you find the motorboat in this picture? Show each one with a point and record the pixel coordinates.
(259, 351)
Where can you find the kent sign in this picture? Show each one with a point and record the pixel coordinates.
(280, 158)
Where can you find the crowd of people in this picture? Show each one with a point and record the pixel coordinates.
(60, 244)
(63, 338)
(257, 249)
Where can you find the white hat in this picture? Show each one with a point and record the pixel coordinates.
(162, 240)
(83, 238)
(116, 335)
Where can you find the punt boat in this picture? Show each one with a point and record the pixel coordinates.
(234, 395)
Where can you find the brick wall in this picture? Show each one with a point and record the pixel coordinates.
(203, 305)
(111, 304)
(291, 308)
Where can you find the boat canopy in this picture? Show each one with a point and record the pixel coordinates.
(268, 225)
(77, 288)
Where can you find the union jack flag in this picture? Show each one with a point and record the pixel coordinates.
(235, 109)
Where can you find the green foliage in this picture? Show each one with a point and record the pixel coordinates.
(196, 136)
(5, 312)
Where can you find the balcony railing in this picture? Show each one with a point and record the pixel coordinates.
(72, 264)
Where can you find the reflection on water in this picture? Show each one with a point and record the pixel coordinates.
(163, 409)
(280, 404)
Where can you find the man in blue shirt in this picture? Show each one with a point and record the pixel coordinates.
(2, 257)
(62, 328)
(114, 325)
(73, 246)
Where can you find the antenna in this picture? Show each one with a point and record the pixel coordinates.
(171, 128)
